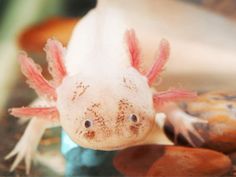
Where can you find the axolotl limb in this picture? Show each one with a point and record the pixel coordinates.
(100, 109)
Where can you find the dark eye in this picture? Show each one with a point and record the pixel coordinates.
(133, 118)
(87, 123)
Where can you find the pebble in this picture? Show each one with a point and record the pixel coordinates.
(161, 160)
(34, 38)
(219, 109)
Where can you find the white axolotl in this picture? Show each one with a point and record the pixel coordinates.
(102, 99)
(104, 108)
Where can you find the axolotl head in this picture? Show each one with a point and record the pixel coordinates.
(106, 111)
(112, 112)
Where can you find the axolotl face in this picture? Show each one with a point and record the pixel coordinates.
(107, 112)
(104, 106)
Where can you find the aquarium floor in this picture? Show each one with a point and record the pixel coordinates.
(48, 162)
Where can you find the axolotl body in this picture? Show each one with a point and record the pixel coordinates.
(102, 100)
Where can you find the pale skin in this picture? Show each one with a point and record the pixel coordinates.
(102, 108)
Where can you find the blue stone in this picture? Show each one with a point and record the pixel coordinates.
(86, 162)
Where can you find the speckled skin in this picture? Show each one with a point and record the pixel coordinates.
(108, 109)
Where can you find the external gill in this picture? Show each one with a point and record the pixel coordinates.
(183, 123)
(161, 59)
(55, 55)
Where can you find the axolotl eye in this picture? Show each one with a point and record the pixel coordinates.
(133, 118)
(87, 123)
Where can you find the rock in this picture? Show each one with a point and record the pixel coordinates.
(160, 160)
(34, 38)
(180, 161)
(136, 161)
(86, 162)
(219, 108)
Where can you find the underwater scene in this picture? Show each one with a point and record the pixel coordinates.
(118, 88)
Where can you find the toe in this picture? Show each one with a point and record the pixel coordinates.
(18, 159)
(189, 139)
(11, 154)
(28, 162)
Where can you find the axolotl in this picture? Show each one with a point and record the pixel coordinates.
(103, 102)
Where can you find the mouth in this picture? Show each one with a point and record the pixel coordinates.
(119, 147)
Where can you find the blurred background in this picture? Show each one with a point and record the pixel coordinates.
(26, 25)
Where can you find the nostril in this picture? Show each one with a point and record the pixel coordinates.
(134, 129)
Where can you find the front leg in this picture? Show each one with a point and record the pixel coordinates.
(45, 115)
(28, 143)
(182, 122)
